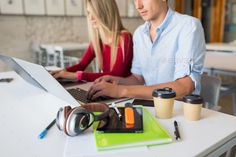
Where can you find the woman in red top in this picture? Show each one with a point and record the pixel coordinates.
(110, 44)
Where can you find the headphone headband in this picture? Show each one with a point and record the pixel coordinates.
(97, 107)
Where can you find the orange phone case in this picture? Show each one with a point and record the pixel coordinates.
(129, 116)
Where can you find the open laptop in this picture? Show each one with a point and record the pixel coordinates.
(38, 76)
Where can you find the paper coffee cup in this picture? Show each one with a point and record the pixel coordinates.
(164, 102)
(192, 107)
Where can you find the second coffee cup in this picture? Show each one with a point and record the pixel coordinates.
(164, 102)
(192, 107)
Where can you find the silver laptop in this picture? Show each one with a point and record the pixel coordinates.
(39, 76)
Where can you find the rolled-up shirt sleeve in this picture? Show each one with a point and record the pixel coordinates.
(190, 55)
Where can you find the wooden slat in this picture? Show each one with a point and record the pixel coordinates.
(197, 9)
(217, 20)
(179, 6)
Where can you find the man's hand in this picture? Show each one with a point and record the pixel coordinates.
(104, 88)
(108, 78)
(63, 74)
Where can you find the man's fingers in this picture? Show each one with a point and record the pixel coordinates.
(89, 94)
(97, 94)
(92, 91)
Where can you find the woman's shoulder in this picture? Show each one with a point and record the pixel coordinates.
(126, 34)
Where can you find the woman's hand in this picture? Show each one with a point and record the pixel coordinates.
(64, 74)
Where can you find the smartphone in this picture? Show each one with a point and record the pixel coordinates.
(113, 124)
(7, 80)
(143, 102)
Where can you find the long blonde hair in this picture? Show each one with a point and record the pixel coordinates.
(108, 18)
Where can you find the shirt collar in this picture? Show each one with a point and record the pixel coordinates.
(163, 25)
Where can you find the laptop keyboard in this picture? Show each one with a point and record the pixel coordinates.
(81, 95)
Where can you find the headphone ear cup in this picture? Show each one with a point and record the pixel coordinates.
(60, 119)
(78, 121)
(62, 115)
(81, 122)
(84, 120)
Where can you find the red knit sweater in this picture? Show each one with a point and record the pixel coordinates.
(122, 64)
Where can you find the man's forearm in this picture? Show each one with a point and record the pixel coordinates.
(182, 87)
(135, 91)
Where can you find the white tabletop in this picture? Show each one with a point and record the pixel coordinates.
(198, 139)
(225, 47)
(221, 61)
(221, 58)
(27, 110)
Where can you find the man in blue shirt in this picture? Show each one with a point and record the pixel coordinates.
(169, 51)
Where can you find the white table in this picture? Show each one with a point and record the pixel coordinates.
(220, 62)
(69, 46)
(221, 59)
(225, 47)
(63, 48)
(27, 110)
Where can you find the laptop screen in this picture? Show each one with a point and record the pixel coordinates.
(38, 76)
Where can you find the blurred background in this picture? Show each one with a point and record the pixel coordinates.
(54, 33)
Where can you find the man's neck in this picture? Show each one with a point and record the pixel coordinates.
(156, 22)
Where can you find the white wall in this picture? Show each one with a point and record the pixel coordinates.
(17, 33)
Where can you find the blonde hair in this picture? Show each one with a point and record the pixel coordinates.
(108, 19)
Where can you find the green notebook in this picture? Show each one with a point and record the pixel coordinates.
(153, 134)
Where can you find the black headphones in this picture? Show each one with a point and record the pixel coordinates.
(74, 121)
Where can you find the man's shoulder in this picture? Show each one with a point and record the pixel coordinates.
(186, 19)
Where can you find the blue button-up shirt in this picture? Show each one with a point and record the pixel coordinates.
(178, 50)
